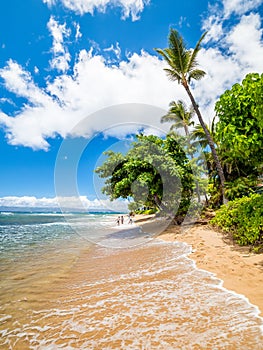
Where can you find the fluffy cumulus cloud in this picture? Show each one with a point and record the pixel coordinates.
(217, 21)
(35, 116)
(61, 56)
(129, 8)
(94, 85)
(65, 203)
(245, 44)
(239, 7)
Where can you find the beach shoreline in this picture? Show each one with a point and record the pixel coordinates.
(73, 291)
(240, 270)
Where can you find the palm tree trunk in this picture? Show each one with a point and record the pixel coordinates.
(198, 191)
(186, 130)
(192, 157)
(159, 203)
(209, 139)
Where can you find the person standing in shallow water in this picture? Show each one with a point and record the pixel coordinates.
(130, 219)
(122, 219)
(118, 221)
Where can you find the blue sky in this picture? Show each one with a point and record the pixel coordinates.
(63, 61)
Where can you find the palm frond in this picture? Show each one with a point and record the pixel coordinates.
(178, 50)
(176, 43)
(196, 74)
(169, 118)
(164, 54)
(193, 60)
(198, 135)
(173, 75)
(213, 126)
(182, 62)
(179, 115)
(180, 104)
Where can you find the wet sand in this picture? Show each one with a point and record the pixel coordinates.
(241, 271)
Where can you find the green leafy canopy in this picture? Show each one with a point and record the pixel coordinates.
(154, 172)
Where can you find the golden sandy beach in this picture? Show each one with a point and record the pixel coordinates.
(241, 271)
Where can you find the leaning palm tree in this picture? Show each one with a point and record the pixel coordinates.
(183, 68)
(179, 116)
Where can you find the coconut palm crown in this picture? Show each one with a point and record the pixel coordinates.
(183, 62)
(179, 115)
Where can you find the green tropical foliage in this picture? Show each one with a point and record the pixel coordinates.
(240, 126)
(240, 187)
(239, 134)
(181, 117)
(154, 172)
(243, 218)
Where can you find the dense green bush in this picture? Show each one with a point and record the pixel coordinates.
(243, 218)
(145, 211)
(150, 211)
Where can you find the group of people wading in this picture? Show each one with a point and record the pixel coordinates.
(120, 220)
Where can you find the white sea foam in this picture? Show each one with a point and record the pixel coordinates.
(5, 318)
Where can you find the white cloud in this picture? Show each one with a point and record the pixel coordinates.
(78, 32)
(35, 116)
(83, 203)
(222, 72)
(129, 8)
(61, 55)
(6, 100)
(66, 203)
(214, 27)
(93, 86)
(183, 20)
(49, 2)
(28, 201)
(240, 7)
(116, 50)
(217, 22)
(245, 44)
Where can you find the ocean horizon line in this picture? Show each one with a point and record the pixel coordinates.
(21, 210)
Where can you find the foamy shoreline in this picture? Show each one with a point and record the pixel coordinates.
(240, 270)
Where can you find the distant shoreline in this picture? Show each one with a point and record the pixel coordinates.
(57, 210)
